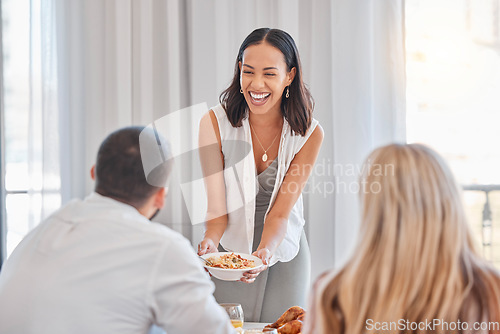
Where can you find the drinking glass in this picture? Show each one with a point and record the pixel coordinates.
(235, 312)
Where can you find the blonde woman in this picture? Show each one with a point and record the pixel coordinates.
(415, 269)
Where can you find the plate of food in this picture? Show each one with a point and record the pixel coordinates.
(230, 266)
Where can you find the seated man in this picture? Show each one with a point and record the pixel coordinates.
(100, 266)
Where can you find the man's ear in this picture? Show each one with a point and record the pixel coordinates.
(92, 172)
(159, 199)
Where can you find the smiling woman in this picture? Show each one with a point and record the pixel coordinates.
(254, 209)
(268, 57)
(264, 84)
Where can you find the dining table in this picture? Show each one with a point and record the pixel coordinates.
(254, 325)
(246, 325)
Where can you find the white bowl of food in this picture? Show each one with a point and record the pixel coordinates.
(230, 266)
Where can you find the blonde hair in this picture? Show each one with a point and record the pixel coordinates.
(415, 258)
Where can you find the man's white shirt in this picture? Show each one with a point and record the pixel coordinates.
(99, 266)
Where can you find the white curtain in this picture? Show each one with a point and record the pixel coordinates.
(124, 62)
(368, 96)
(43, 141)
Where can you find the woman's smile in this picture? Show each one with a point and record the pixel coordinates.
(259, 99)
(264, 77)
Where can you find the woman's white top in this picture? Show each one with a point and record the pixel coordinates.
(241, 186)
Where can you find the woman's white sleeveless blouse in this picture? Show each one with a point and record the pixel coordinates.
(241, 186)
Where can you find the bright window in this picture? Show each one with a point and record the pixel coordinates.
(31, 191)
(453, 100)
(16, 80)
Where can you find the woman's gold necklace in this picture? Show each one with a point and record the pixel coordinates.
(264, 156)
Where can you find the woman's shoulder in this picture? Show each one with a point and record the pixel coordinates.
(217, 115)
(218, 111)
(214, 115)
(314, 135)
(314, 128)
(219, 121)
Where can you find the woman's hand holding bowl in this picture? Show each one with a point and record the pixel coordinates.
(265, 255)
(207, 245)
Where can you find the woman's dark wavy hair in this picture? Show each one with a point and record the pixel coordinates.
(298, 108)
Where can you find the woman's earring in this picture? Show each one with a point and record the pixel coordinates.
(241, 90)
(287, 92)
